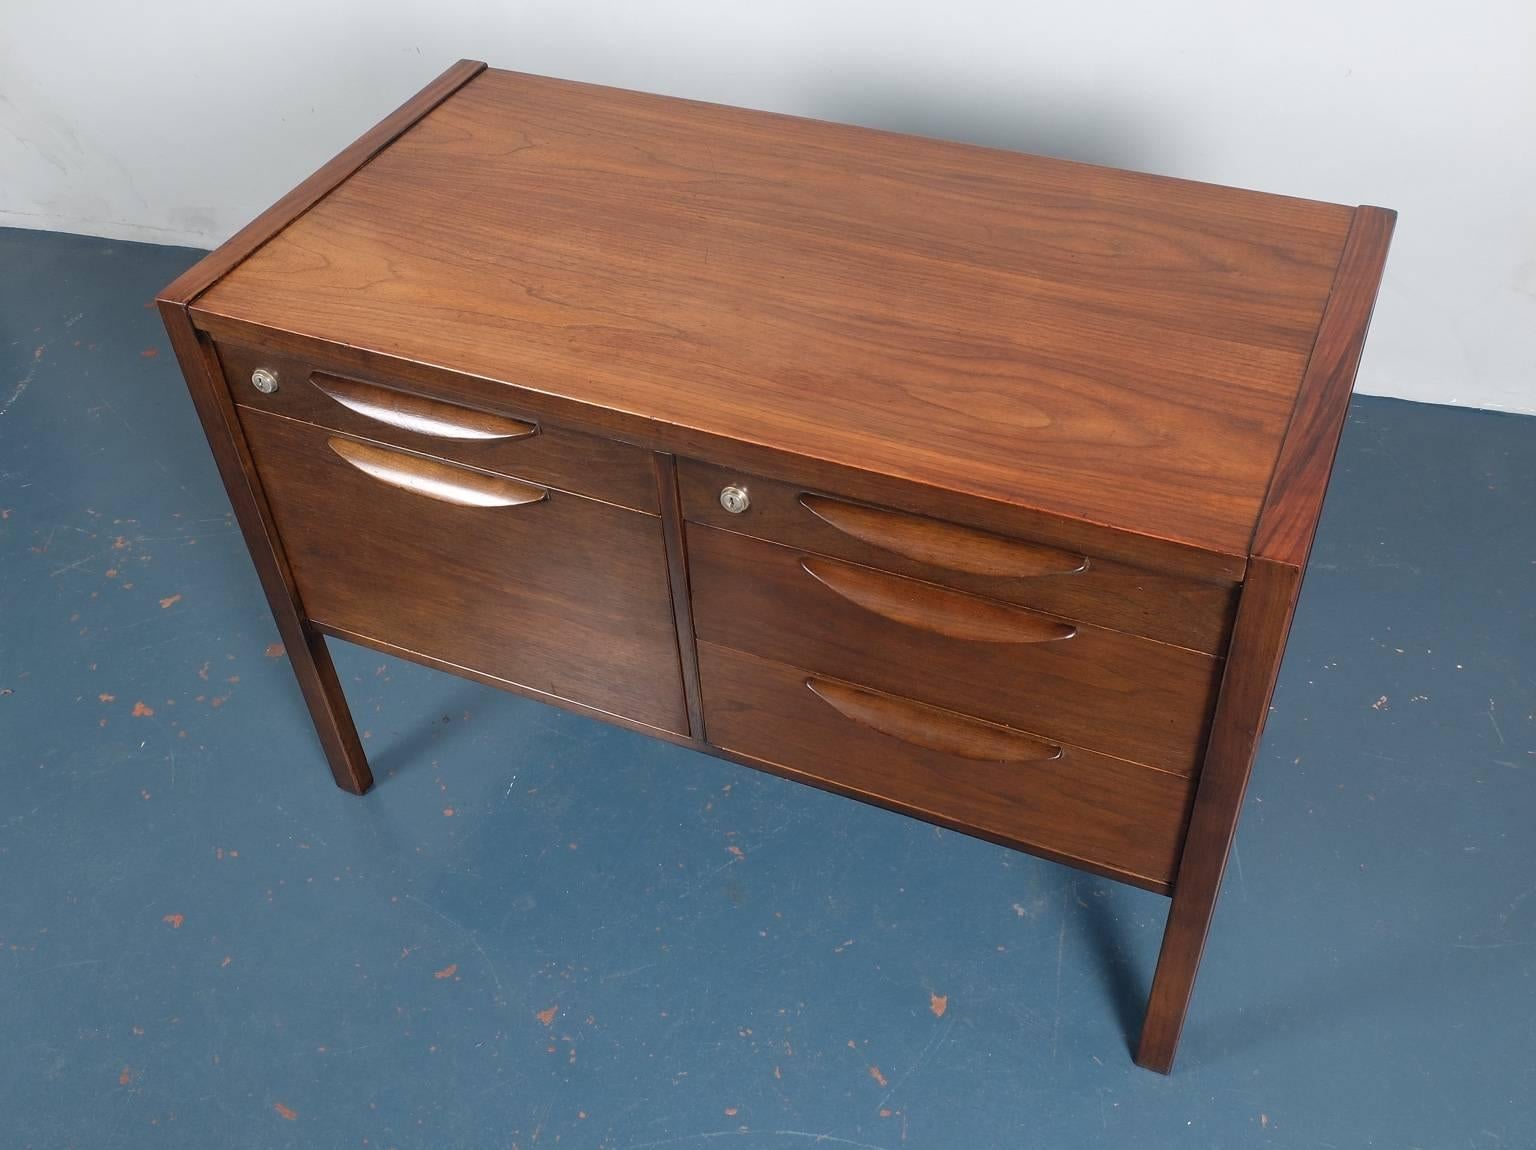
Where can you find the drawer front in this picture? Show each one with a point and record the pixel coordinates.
(509, 443)
(1059, 800)
(563, 595)
(1125, 696)
(1168, 608)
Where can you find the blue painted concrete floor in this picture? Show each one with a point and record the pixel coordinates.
(538, 930)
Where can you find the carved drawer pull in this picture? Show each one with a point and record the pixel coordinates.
(930, 608)
(943, 544)
(931, 727)
(441, 481)
(418, 413)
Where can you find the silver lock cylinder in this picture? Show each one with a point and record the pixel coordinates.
(734, 499)
(264, 381)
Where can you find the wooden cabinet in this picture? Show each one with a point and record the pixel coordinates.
(973, 484)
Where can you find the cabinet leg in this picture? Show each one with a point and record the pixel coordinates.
(305, 646)
(1189, 921)
(328, 708)
(1253, 664)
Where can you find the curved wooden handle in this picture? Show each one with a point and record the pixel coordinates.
(418, 413)
(932, 727)
(441, 481)
(930, 608)
(943, 544)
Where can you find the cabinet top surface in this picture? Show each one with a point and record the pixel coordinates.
(1105, 346)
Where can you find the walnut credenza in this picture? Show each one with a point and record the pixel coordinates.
(972, 484)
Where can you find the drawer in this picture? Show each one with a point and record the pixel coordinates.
(559, 594)
(1055, 799)
(1116, 693)
(507, 442)
(1169, 608)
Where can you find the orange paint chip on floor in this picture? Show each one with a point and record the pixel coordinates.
(547, 1017)
(447, 972)
(284, 1112)
(170, 601)
(106, 698)
(274, 651)
(150, 352)
(447, 812)
(140, 711)
(732, 1111)
(874, 1072)
(938, 1003)
(174, 921)
(126, 1076)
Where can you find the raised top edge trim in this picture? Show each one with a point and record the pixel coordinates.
(1288, 518)
(201, 276)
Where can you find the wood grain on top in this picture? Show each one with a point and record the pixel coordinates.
(1115, 348)
(196, 279)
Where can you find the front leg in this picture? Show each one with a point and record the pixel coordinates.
(1253, 664)
(305, 646)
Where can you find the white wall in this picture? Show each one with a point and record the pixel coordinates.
(177, 121)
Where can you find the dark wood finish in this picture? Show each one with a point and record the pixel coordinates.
(430, 417)
(932, 727)
(304, 644)
(1022, 438)
(677, 574)
(932, 608)
(1087, 809)
(1281, 545)
(548, 455)
(1300, 479)
(943, 545)
(1148, 552)
(512, 688)
(1174, 609)
(565, 595)
(1119, 349)
(1115, 693)
(434, 479)
(1263, 619)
